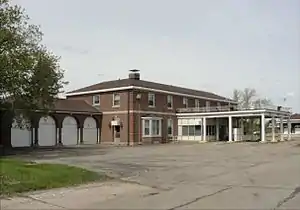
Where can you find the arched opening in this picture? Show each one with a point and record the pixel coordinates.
(20, 132)
(90, 132)
(69, 131)
(47, 131)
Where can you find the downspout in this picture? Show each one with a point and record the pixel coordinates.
(128, 119)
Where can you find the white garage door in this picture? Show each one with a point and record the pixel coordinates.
(47, 131)
(90, 131)
(20, 134)
(69, 131)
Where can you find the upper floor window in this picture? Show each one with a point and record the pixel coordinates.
(185, 102)
(151, 99)
(170, 101)
(96, 100)
(197, 103)
(116, 99)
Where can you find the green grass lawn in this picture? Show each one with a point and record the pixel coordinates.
(18, 176)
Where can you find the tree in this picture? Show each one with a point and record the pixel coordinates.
(30, 75)
(248, 98)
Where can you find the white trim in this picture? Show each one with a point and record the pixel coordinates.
(113, 102)
(139, 112)
(171, 101)
(233, 113)
(93, 101)
(147, 89)
(151, 119)
(151, 95)
(172, 126)
(100, 91)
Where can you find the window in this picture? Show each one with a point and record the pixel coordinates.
(151, 99)
(170, 127)
(197, 103)
(116, 100)
(191, 130)
(185, 130)
(210, 130)
(152, 127)
(185, 102)
(146, 127)
(170, 101)
(198, 130)
(96, 100)
(219, 106)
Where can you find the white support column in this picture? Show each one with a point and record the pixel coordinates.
(242, 129)
(273, 129)
(263, 130)
(289, 128)
(217, 129)
(281, 129)
(230, 129)
(98, 135)
(204, 129)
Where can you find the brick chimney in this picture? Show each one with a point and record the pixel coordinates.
(134, 74)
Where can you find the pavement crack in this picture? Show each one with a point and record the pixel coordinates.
(291, 196)
(199, 198)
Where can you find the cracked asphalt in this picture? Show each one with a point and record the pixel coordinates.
(177, 176)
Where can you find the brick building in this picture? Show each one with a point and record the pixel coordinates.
(136, 111)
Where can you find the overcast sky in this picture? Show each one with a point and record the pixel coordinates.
(213, 45)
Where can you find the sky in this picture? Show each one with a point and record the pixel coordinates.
(211, 45)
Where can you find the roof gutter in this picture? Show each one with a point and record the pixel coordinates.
(150, 90)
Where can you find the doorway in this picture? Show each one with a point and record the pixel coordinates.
(117, 134)
(222, 133)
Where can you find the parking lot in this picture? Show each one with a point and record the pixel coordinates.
(184, 176)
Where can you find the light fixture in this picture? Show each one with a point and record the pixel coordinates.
(138, 96)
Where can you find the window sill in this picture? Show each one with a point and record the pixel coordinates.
(151, 106)
(116, 106)
(96, 104)
(170, 108)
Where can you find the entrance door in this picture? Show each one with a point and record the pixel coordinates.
(222, 133)
(117, 134)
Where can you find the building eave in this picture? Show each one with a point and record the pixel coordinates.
(246, 113)
(150, 90)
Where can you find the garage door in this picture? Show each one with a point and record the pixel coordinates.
(20, 134)
(69, 131)
(47, 131)
(90, 131)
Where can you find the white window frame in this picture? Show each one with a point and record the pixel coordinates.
(150, 96)
(185, 102)
(197, 103)
(170, 100)
(151, 119)
(114, 97)
(98, 103)
(170, 124)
